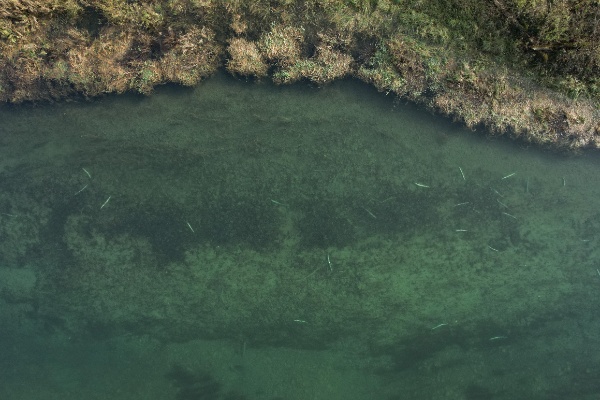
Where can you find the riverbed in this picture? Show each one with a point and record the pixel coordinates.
(249, 241)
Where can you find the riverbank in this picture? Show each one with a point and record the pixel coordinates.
(519, 70)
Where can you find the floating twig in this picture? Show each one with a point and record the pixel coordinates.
(190, 226)
(370, 213)
(509, 215)
(106, 202)
(81, 190)
(498, 193)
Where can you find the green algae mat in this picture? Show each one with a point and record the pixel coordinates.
(248, 241)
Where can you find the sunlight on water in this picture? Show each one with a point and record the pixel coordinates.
(246, 241)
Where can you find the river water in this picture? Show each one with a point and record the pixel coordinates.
(246, 241)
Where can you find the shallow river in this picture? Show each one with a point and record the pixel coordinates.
(246, 241)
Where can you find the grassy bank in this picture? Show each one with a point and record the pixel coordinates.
(524, 68)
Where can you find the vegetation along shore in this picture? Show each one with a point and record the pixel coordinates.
(526, 68)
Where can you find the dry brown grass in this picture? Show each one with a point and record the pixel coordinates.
(282, 45)
(326, 66)
(245, 59)
(194, 56)
(506, 103)
(409, 64)
(98, 68)
(22, 8)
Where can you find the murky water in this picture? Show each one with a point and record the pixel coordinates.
(244, 241)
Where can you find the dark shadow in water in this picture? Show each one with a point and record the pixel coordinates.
(198, 385)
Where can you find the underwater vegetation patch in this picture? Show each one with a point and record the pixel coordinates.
(159, 226)
(231, 220)
(171, 230)
(325, 225)
(198, 385)
(404, 211)
(192, 385)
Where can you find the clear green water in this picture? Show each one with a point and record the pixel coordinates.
(243, 241)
